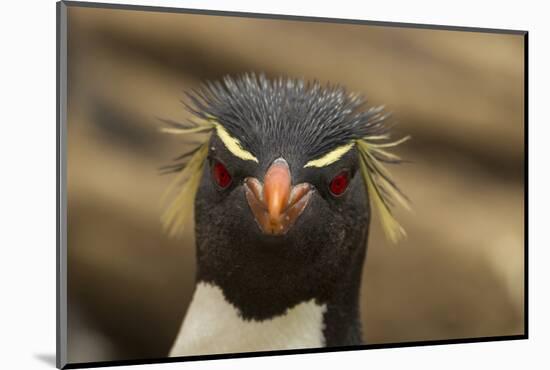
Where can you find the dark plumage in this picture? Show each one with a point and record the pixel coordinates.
(273, 229)
(287, 115)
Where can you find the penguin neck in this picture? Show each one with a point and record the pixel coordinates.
(266, 293)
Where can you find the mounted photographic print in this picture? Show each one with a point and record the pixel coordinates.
(234, 184)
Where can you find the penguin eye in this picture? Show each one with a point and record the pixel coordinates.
(339, 183)
(221, 175)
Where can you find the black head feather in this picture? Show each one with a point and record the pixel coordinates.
(288, 116)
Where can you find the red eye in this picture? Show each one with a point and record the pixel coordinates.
(221, 175)
(339, 183)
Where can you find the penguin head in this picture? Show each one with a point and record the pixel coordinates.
(284, 179)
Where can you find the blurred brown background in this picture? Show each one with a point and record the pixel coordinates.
(459, 94)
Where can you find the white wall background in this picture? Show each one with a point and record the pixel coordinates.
(27, 205)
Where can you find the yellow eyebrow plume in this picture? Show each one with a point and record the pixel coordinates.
(331, 156)
(234, 145)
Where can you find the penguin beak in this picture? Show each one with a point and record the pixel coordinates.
(276, 204)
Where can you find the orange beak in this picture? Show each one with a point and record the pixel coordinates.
(277, 204)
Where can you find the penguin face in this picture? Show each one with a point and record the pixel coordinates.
(280, 219)
(277, 191)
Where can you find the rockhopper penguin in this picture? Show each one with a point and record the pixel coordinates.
(281, 186)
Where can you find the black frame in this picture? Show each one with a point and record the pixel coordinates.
(61, 225)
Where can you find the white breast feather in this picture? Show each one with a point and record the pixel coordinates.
(213, 325)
